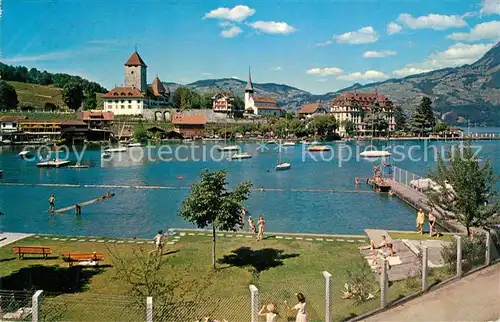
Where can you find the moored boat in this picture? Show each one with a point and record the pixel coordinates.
(79, 166)
(375, 154)
(134, 145)
(52, 164)
(283, 166)
(25, 154)
(229, 148)
(242, 155)
(318, 148)
(289, 143)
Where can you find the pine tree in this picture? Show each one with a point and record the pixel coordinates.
(423, 120)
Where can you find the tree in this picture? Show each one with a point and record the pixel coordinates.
(90, 101)
(400, 118)
(210, 204)
(440, 127)
(238, 106)
(140, 133)
(181, 99)
(49, 107)
(349, 127)
(8, 96)
(376, 119)
(423, 121)
(465, 187)
(72, 95)
(323, 125)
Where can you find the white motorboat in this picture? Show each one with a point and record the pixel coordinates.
(375, 154)
(272, 142)
(25, 154)
(134, 145)
(6, 142)
(315, 142)
(242, 155)
(283, 166)
(289, 143)
(52, 164)
(79, 166)
(229, 148)
(112, 150)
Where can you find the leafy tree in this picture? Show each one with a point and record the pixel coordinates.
(209, 203)
(423, 121)
(440, 127)
(8, 96)
(50, 107)
(72, 95)
(400, 118)
(465, 187)
(323, 125)
(376, 119)
(238, 106)
(140, 133)
(90, 101)
(181, 98)
(350, 127)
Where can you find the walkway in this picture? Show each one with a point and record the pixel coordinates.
(9, 238)
(473, 298)
(419, 200)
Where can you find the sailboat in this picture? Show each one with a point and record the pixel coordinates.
(227, 148)
(374, 153)
(281, 166)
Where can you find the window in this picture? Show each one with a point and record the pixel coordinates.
(116, 101)
(122, 101)
(132, 72)
(130, 106)
(130, 101)
(14, 124)
(123, 106)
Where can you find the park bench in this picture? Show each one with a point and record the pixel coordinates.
(83, 259)
(32, 250)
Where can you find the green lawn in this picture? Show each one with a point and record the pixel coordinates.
(284, 267)
(417, 236)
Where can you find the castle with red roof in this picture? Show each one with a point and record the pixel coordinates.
(136, 95)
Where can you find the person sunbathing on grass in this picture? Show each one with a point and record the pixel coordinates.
(383, 244)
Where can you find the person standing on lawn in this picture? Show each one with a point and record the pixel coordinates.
(261, 223)
(432, 221)
(420, 221)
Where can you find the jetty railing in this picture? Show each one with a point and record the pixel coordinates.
(408, 178)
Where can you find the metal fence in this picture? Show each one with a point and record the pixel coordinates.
(409, 179)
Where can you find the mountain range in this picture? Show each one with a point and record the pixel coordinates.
(469, 92)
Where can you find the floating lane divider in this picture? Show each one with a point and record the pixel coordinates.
(107, 186)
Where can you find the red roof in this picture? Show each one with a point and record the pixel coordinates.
(125, 92)
(98, 116)
(157, 88)
(309, 108)
(12, 118)
(198, 119)
(262, 99)
(135, 60)
(73, 123)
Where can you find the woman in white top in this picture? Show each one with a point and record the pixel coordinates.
(271, 315)
(300, 308)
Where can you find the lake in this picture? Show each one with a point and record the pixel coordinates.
(140, 212)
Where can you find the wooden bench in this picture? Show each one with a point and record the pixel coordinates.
(83, 259)
(32, 250)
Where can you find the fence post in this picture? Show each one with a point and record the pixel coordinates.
(488, 249)
(35, 305)
(149, 309)
(254, 295)
(328, 296)
(459, 256)
(424, 268)
(383, 284)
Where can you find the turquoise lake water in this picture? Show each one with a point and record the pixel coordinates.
(141, 212)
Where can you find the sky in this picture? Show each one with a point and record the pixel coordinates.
(318, 45)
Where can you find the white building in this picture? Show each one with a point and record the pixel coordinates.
(9, 125)
(136, 95)
(259, 105)
(355, 106)
(222, 102)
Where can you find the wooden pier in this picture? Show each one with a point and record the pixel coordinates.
(79, 206)
(416, 199)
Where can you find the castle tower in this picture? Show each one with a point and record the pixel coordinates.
(249, 91)
(136, 72)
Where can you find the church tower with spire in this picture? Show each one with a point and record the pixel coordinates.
(249, 91)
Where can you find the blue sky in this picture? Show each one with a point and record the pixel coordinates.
(319, 46)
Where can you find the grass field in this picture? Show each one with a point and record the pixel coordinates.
(278, 267)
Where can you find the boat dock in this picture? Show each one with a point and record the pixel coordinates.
(417, 199)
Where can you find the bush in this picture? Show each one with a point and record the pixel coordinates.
(360, 283)
(473, 253)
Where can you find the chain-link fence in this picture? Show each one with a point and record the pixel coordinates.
(91, 307)
(15, 305)
(285, 296)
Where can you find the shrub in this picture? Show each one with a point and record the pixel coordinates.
(360, 283)
(473, 253)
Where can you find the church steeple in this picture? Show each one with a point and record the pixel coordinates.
(249, 87)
